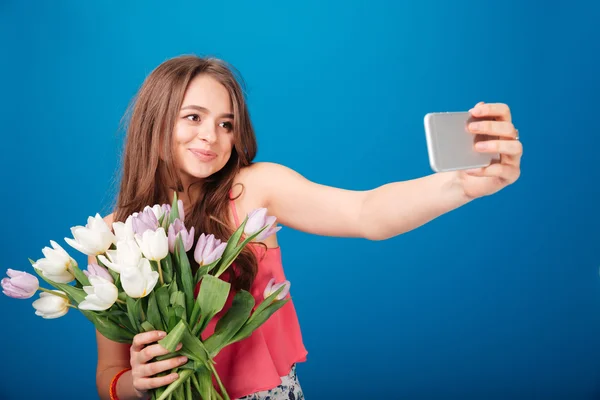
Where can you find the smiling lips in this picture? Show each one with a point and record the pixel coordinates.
(204, 155)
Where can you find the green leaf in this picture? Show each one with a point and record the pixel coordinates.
(153, 312)
(78, 295)
(193, 346)
(173, 287)
(79, 275)
(256, 321)
(134, 313)
(162, 300)
(109, 329)
(204, 381)
(231, 322)
(212, 297)
(120, 317)
(188, 390)
(147, 326)
(231, 248)
(172, 319)
(174, 336)
(205, 269)
(167, 268)
(174, 214)
(185, 274)
(231, 254)
(183, 376)
(267, 302)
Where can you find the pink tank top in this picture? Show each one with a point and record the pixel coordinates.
(258, 362)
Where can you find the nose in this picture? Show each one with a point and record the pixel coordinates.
(207, 132)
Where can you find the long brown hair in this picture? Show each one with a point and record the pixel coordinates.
(149, 174)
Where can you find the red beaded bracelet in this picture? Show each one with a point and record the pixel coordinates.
(113, 384)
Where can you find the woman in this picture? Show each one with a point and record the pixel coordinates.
(190, 131)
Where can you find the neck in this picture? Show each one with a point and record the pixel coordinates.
(189, 195)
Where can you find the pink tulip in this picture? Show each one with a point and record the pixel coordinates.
(257, 219)
(208, 249)
(97, 270)
(19, 284)
(272, 288)
(146, 220)
(177, 228)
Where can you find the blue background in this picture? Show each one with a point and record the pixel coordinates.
(499, 299)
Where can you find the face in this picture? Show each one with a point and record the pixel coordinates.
(203, 135)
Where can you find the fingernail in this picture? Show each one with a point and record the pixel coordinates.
(162, 334)
(482, 145)
(182, 359)
(475, 110)
(475, 126)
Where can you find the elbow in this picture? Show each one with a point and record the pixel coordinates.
(373, 233)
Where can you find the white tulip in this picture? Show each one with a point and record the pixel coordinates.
(94, 238)
(127, 254)
(154, 244)
(139, 281)
(100, 296)
(123, 230)
(57, 264)
(50, 306)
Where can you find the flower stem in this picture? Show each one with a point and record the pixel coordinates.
(214, 371)
(120, 301)
(54, 293)
(72, 306)
(159, 269)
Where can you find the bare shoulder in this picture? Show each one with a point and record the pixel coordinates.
(251, 190)
(109, 219)
(257, 181)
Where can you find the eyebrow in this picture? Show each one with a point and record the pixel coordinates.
(205, 110)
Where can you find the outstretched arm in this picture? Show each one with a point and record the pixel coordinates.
(377, 214)
(394, 208)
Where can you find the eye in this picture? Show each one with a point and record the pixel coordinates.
(227, 125)
(193, 117)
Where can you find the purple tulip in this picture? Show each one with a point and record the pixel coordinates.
(146, 220)
(19, 284)
(181, 210)
(97, 270)
(177, 228)
(208, 249)
(272, 287)
(257, 219)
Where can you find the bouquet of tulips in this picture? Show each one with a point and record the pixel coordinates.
(143, 281)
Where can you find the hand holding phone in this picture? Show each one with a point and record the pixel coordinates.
(450, 144)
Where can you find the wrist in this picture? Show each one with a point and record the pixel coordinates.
(121, 387)
(454, 188)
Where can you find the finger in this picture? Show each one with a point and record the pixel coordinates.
(505, 147)
(504, 129)
(155, 350)
(151, 369)
(144, 384)
(142, 339)
(509, 173)
(497, 110)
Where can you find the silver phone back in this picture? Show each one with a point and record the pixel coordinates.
(450, 145)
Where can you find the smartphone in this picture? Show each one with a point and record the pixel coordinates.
(450, 145)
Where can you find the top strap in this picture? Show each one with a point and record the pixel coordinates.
(233, 210)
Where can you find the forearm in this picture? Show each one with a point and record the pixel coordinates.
(399, 207)
(125, 390)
